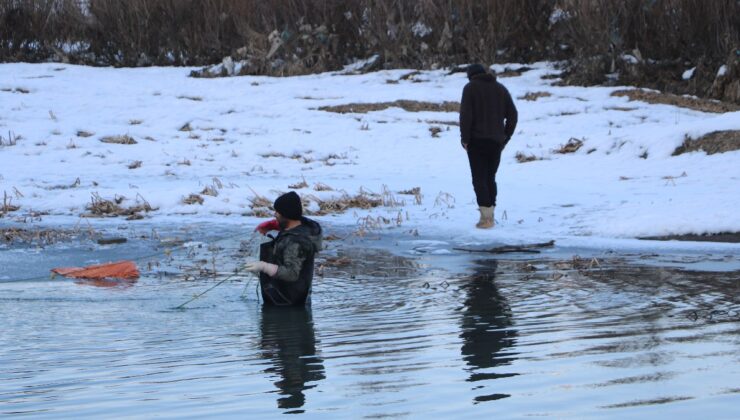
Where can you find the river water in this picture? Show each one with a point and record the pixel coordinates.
(399, 328)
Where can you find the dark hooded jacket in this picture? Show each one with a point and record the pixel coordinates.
(293, 252)
(487, 112)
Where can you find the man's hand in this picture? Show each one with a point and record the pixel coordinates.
(261, 267)
(465, 146)
(267, 226)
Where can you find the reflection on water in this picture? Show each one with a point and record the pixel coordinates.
(288, 341)
(487, 335)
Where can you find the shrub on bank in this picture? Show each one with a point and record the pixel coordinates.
(645, 42)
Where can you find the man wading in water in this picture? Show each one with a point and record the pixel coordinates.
(487, 121)
(286, 263)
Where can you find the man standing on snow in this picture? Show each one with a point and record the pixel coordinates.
(487, 121)
(286, 263)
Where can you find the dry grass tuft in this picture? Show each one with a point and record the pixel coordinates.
(329, 159)
(301, 157)
(406, 105)
(416, 192)
(83, 133)
(369, 224)
(412, 191)
(260, 201)
(389, 200)
(100, 207)
(714, 142)
(65, 187)
(571, 147)
(210, 190)
(7, 206)
(12, 139)
(320, 186)
(193, 199)
(703, 105)
(444, 200)
(299, 185)
(340, 204)
(124, 139)
(577, 263)
(185, 127)
(533, 96)
(260, 205)
(135, 164)
(272, 155)
(522, 158)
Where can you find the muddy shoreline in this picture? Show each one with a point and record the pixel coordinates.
(725, 237)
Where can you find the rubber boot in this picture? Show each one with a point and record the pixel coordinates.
(486, 218)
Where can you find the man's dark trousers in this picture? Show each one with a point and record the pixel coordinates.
(484, 157)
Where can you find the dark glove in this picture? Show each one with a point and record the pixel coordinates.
(267, 226)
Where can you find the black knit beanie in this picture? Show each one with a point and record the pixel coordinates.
(289, 206)
(474, 69)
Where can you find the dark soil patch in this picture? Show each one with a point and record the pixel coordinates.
(729, 237)
(508, 72)
(714, 142)
(703, 105)
(406, 105)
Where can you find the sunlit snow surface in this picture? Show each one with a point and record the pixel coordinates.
(622, 183)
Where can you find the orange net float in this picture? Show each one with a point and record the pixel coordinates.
(121, 270)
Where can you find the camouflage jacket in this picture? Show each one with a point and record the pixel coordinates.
(293, 252)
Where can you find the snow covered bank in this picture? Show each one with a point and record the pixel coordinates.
(235, 141)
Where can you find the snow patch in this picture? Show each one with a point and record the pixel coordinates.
(420, 30)
(722, 71)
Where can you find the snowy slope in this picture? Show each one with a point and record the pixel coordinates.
(622, 183)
